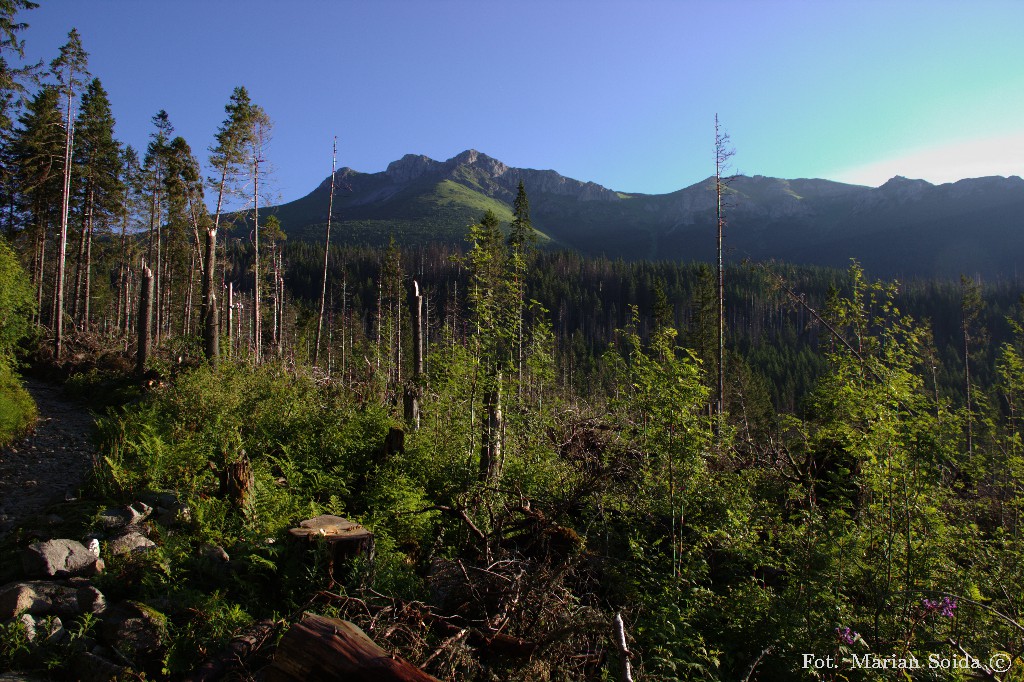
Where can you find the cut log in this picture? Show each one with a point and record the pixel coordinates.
(319, 649)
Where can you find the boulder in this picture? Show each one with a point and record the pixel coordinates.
(58, 559)
(29, 622)
(131, 540)
(114, 518)
(138, 632)
(90, 666)
(41, 598)
(49, 629)
(215, 561)
(158, 498)
(174, 514)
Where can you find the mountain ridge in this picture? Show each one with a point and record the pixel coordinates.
(904, 227)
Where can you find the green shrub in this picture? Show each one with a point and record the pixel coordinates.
(16, 302)
(17, 410)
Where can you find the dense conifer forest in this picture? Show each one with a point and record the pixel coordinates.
(531, 436)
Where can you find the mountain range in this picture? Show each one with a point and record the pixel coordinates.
(904, 228)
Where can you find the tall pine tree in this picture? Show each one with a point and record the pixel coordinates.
(97, 161)
(155, 171)
(522, 240)
(38, 150)
(226, 158)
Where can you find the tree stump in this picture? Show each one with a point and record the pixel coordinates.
(394, 442)
(318, 649)
(237, 481)
(346, 539)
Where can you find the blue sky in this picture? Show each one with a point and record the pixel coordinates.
(620, 93)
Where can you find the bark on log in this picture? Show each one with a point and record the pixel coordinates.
(318, 649)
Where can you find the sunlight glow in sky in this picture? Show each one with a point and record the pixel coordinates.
(619, 93)
(946, 162)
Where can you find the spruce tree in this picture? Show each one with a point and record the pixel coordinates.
(132, 186)
(521, 240)
(11, 78)
(12, 92)
(489, 302)
(226, 159)
(38, 149)
(186, 214)
(155, 170)
(97, 161)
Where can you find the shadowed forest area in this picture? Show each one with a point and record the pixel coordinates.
(532, 437)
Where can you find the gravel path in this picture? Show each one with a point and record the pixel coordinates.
(49, 465)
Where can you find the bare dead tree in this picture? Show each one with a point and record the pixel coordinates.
(327, 250)
(260, 137)
(722, 154)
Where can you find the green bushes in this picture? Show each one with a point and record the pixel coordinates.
(17, 411)
(308, 447)
(860, 526)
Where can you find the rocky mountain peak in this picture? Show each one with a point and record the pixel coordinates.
(900, 187)
(410, 167)
(472, 157)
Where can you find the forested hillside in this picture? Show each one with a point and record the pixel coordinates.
(533, 438)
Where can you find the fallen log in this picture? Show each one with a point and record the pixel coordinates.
(492, 642)
(319, 649)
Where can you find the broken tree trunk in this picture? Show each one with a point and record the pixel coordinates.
(210, 311)
(145, 319)
(318, 649)
(414, 390)
(619, 638)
